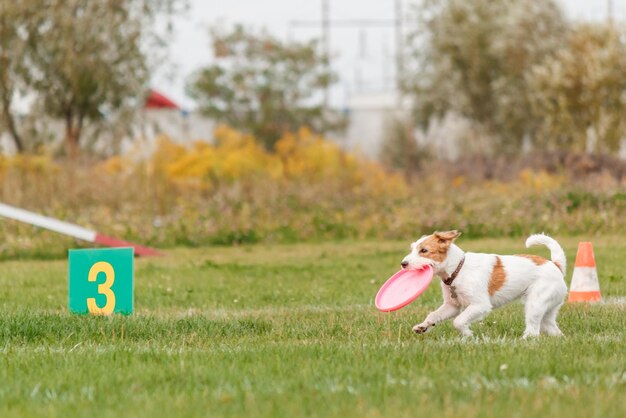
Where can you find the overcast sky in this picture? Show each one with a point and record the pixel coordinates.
(362, 58)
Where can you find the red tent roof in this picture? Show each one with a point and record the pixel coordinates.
(156, 100)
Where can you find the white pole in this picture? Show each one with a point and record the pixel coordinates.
(326, 45)
(52, 224)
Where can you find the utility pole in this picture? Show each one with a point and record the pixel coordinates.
(327, 24)
(609, 12)
(326, 45)
(399, 46)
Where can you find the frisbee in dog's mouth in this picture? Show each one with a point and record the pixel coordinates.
(403, 288)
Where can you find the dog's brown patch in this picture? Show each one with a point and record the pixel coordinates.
(434, 250)
(556, 263)
(436, 246)
(498, 277)
(534, 258)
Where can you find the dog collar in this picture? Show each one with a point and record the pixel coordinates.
(448, 281)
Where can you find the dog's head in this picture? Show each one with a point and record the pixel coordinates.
(430, 250)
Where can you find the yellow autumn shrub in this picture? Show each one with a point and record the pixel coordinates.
(541, 180)
(307, 155)
(235, 157)
(30, 165)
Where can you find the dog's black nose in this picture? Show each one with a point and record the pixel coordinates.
(404, 264)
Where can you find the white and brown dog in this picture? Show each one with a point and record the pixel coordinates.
(475, 283)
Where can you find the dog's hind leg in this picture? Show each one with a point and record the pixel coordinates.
(536, 307)
(548, 323)
(445, 311)
(543, 301)
(534, 313)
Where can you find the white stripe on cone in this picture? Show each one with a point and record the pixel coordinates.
(585, 279)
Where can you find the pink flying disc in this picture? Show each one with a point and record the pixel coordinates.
(403, 288)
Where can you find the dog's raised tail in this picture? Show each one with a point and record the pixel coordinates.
(557, 255)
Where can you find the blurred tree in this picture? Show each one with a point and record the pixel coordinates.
(580, 92)
(13, 18)
(83, 59)
(400, 149)
(471, 57)
(263, 86)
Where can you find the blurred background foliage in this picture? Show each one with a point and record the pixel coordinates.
(82, 60)
(237, 192)
(521, 72)
(542, 97)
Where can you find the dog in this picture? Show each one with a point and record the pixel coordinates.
(475, 283)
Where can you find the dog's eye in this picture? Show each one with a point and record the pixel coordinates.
(423, 250)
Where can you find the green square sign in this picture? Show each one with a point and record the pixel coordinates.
(101, 281)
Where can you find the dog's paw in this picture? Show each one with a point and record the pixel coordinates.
(467, 336)
(422, 328)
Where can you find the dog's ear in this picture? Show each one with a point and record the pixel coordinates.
(447, 236)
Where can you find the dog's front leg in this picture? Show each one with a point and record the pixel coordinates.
(473, 312)
(449, 309)
(446, 311)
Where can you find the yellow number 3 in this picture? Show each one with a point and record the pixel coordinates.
(103, 289)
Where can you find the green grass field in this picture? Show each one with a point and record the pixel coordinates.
(284, 331)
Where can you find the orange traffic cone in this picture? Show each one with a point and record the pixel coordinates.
(585, 286)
